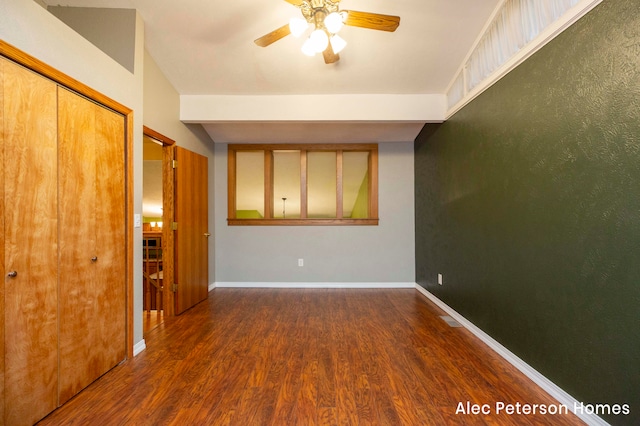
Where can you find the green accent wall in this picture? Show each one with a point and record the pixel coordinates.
(528, 202)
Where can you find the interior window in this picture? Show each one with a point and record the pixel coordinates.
(303, 184)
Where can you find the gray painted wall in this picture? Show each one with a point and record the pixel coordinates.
(161, 113)
(94, 23)
(338, 254)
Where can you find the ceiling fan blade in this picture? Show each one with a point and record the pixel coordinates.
(329, 56)
(374, 21)
(273, 36)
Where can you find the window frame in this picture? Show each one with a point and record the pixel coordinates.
(339, 149)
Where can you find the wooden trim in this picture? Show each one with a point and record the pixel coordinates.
(29, 62)
(157, 136)
(304, 147)
(268, 184)
(373, 183)
(24, 59)
(303, 185)
(130, 249)
(339, 199)
(168, 236)
(231, 184)
(302, 222)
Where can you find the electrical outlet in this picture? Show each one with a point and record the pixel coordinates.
(137, 220)
(300, 262)
(440, 279)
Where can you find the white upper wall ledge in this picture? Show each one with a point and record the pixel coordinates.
(388, 108)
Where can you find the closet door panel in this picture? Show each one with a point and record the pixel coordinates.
(110, 239)
(30, 245)
(78, 304)
(92, 242)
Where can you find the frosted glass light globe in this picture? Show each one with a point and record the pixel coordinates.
(297, 26)
(333, 22)
(307, 48)
(337, 43)
(319, 40)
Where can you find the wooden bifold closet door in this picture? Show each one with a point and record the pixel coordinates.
(91, 241)
(62, 216)
(30, 272)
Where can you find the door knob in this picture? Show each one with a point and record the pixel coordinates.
(94, 259)
(12, 274)
(206, 234)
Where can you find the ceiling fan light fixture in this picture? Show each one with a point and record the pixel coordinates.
(319, 40)
(298, 26)
(307, 48)
(326, 20)
(333, 22)
(337, 44)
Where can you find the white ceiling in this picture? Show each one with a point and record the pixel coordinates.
(205, 47)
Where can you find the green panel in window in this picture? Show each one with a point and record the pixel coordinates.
(355, 185)
(249, 182)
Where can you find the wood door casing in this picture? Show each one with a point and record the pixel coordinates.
(3, 273)
(91, 242)
(191, 239)
(30, 239)
(168, 237)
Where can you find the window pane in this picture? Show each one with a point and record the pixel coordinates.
(286, 184)
(250, 184)
(355, 185)
(321, 185)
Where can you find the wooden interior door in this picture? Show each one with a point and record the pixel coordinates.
(192, 234)
(29, 214)
(92, 310)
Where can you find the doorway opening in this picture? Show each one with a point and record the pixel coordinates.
(157, 264)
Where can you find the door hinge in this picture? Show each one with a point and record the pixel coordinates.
(174, 164)
(174, 226)
(174, 287)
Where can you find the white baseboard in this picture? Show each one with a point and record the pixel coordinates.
(212, 286)
(547, 385)
(313, 285)
(139, 347)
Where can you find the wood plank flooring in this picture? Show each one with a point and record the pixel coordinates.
(308, 357)
(151, 320)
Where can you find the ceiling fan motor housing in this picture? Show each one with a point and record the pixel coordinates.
(314, 11)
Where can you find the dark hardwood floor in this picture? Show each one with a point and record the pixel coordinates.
(150, 320)
(308, 357)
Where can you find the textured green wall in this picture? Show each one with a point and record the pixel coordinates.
(528, 202)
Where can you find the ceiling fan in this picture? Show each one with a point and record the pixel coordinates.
(327, 19)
